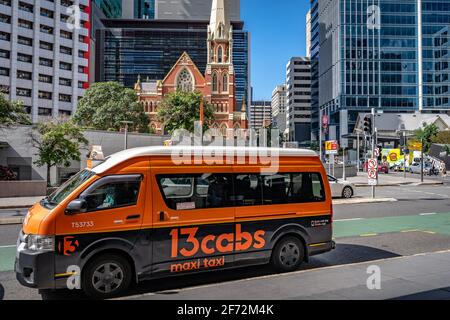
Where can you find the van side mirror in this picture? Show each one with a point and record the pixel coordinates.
(76, 206)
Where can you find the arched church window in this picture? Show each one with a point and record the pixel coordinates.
(223, 130)
(220, 55)
(215, 84)
(225, 83)
(185, 81)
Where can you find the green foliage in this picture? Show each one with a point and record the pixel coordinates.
(427, 134)
(106, 104)
(180, 110)
(442, 137)
(57, 144)
(12, 112)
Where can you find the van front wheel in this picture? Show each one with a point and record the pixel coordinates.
(288, 254)
(106, 276)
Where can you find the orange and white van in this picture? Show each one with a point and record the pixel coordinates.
(139, 216)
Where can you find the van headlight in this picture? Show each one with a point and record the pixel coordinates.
(40, 243)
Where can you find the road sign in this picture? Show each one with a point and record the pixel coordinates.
(376, 152)
(372, 172)
(331, 147)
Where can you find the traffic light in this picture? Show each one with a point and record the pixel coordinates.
(368, 125)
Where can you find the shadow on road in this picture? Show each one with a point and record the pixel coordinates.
(437, 294)
(344, 254)
(2, 292)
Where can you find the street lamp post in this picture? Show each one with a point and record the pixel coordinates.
(126, 123)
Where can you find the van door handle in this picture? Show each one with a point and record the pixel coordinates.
(133, 217)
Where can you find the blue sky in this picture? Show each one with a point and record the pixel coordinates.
(277, 29)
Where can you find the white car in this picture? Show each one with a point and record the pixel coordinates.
(341, 188)
(416, 167)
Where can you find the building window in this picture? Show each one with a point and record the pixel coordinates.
(45, 95)
(215, 86)
(46, 29)
(185, 81)
(65, 50)
(65, 82)
(225, 83)
(4, 72)
(24, 58)
(45, 78)
(25, 24)
(5, 54)
(46, 45)
(25, 41)
(23, 92)
(25, 7)
(45, 112)
(5, 18)
(5, 36)
(65, 98)
(45, 62)
(65, 66)
(220, 55)
(24, 75)
(46, 13)
(66, 34)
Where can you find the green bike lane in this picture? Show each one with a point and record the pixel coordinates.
(432, 223)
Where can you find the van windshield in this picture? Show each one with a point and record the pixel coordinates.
(67, 188)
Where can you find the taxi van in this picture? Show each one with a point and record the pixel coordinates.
(139, 216)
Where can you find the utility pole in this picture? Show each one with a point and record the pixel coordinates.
(126, 123)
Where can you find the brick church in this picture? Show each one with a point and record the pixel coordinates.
(217, 84)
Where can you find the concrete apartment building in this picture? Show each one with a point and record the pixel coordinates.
(260, 114)
(279, 108)
(298, 103)
(44, 61)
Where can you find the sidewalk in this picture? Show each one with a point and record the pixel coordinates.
(19, 202)
(385, 180)
(424, 276)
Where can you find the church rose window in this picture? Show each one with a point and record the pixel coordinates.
(185, 82)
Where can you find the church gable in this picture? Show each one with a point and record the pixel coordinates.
(184, 74)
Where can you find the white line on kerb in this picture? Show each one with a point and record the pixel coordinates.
(1, 247)
(343, 220)
(428, 214)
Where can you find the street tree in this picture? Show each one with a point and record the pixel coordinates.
(443, 137)
(426, 134)
(12, 112)
(57, 144)
(105, 105)
(180, 110)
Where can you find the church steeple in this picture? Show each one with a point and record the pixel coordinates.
(219, 25)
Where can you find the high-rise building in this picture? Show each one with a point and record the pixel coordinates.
(44, 59)
(192, 10)
(260, 114)
(279, 107)
(298, 103)
(149, 48)
(138, 9)
(389, 55)
(308, 34)
(110, 8)
(314, 53)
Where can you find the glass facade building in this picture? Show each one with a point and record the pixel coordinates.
(384, 54)
(144, 9)
(150, 48)
(111, 8)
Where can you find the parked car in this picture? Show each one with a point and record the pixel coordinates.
(416, 168)
(341, 188)
(382, 167)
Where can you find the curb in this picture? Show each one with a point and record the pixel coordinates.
(402, 184)
(12, 220)
(362, 201)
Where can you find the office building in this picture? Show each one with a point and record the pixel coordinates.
(279, 108)
(44, 61)
(260, 114)
(389, 55)
(192, 9)
(314, 53)
(110, 8)
(138, 9)
(308, 34)
(298, 103)
(127, 49)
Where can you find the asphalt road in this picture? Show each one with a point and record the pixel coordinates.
(418, 223)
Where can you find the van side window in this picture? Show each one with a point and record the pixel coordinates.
(188, 192)
(281, 188)
(248, 190)
(114, 194)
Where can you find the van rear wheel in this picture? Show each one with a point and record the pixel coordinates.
(288, 254)
(106, 276)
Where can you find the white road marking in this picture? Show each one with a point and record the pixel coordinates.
(354, 219)
(428, 214)
(12, 246)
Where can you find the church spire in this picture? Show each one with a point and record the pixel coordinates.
(219, 25)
